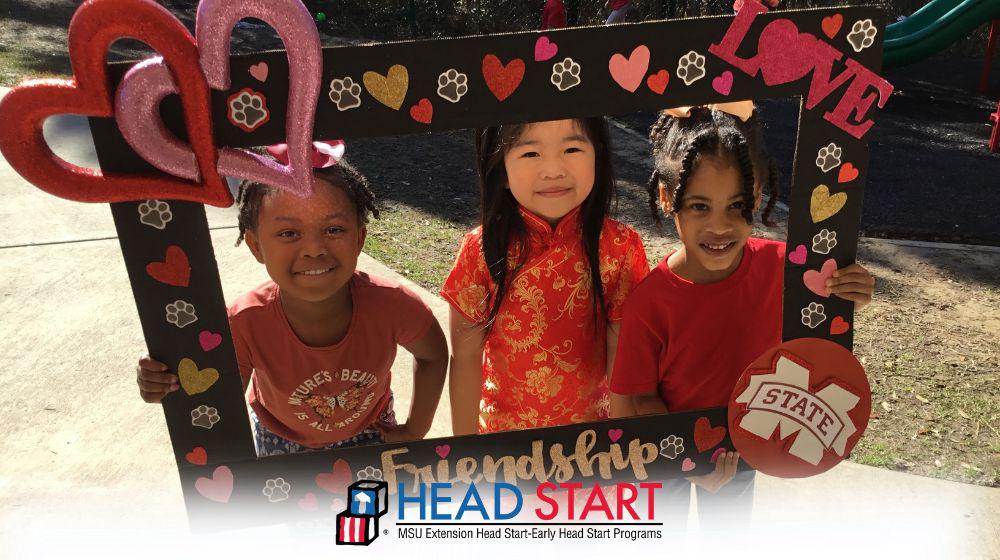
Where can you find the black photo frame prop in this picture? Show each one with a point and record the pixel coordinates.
(829, 57)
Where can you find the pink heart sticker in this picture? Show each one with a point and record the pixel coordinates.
(219, 487)
(816, 280)
(545, 49)
(443, 450)
(687, 465)
(723, 83)
(209, 340)
(338, 505)
(615, 434)
(715, 456)
(798, 256)
(309, 502)
(629, 72)
(259, 71)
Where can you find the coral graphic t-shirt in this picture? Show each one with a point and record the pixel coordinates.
(318, 396)
(544, 361)
(692, 341)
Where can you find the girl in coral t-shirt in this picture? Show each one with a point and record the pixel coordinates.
(536, 290)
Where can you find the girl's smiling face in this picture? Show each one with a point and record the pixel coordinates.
(310, 246)
(550, 168)
(710, 221)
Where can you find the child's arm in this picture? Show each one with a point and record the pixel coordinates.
(853, 283)
(621, 405)
(430, 365)
(725, 470)
(466, 379)
(649, 403)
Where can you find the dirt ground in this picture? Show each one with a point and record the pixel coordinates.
(930, 342)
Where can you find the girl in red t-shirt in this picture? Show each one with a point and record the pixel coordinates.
(314, 344)
(536, 290)
(713, 306)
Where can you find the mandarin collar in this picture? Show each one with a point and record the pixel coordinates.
(538, 226)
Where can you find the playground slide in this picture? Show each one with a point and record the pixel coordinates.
(934, 27)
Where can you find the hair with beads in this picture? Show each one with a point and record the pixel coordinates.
(343, 176)
(679, 143)
(502, 222)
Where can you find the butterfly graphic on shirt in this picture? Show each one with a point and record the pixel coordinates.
(347, 400)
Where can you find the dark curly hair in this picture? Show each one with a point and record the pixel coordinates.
(678, 143)
(344, 176)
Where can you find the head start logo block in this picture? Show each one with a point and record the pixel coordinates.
(358, 524)
(800, 408)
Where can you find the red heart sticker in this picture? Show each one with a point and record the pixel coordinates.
(94, 27)
(175, 270)
(423, 111)
(657, 83)
(799, 408)
(705, 436)
(197, 456)
(831, 25)
(500, 78)
(839, 325)
(847, 173)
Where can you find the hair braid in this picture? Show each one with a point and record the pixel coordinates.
(701, 142)
(746, 169)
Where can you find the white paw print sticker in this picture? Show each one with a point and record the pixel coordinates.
(565, 74)
(205, 417)
(370, 473)
(691, 68)
(862, 35)
(248, 109)
(276, 490)
(452, 85)
(812, 315)
(671, 446)
(181, 314)
(824, 241)
(155, 213)
(828, 157)
(345, 93)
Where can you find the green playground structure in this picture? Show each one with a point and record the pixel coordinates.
(934, 27)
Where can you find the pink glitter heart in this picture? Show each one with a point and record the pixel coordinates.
(798, 256)
(687, 465)
(309, 502)
(615, 434)
(443, 450)
(545, 49)
(209, 340)
(723, 83)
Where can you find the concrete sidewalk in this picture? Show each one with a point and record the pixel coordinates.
(80, 447)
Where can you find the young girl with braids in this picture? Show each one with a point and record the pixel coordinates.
(316, 342)
(537, 288)
(714, 305)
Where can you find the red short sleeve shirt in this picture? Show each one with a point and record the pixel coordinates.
(692, 341)
(318, 396)
(544, 361)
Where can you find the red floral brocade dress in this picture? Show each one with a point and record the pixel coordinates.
(544, 361)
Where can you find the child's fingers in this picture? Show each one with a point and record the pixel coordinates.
(155, 387)
(851, 288)
(156, 377)
(150, 364)
(152, 396)
(863, 279)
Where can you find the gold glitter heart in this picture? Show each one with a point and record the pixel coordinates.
(822, 205)
(194, 380)
(389, 90)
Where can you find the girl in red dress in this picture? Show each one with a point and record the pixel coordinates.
(536, 290)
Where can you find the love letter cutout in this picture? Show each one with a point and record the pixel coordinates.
(146, 84)
(500, 78)
(95, 25)
(629, 72)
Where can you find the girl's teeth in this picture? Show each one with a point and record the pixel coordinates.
(315, 272)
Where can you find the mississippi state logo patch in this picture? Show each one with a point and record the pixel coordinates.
(800, 408)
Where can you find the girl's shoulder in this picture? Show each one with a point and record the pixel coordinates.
(254, 301)
(384, 291)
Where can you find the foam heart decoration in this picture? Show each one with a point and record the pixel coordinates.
(815, 280)
(197, 456)
(174, 270)
(443, 450)
(423, 111)
(194, 380)
(798, 256)
(839, 325)
(218, 488)
(309, 502)
(705, 436)
(628, 72)
(389, 90)
(723, 83)
(545, 49)
(259, 71)
(148, 83)
(502, 79)
(847, 173)
(94, 27)
(337, 481)
(615, 434)
(831, 25)
(823, 205)
(687, 464)
(209, 340)
(657, 83)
